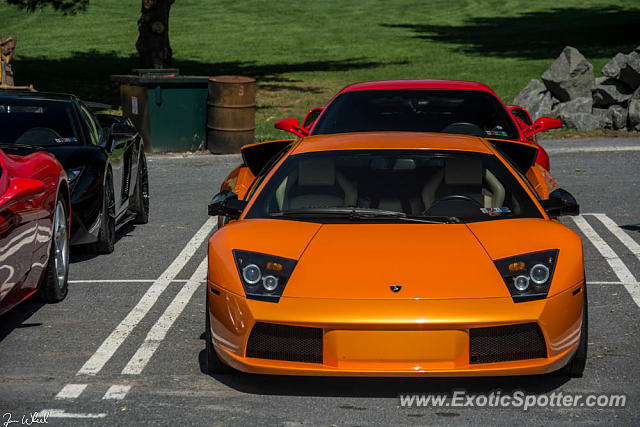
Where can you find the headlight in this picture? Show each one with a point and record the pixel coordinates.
(72, 177)
(528, 276)
(263, 276)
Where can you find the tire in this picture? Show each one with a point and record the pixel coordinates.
(214, 364)
(107, 233)
(141, 193)
(575, 367)
(55, 286)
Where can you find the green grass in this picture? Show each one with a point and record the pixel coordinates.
(302, 52)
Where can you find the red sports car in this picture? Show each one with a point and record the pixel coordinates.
(436, 106)
(443, 106)
(34, 229)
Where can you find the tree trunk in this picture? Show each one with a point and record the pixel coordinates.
(153, 39)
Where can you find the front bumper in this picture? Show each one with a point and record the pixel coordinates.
(395, 337)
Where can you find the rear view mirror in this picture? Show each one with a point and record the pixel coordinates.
(226, 203)
(292, 126)
(542, 124)
(560, 203)
(20, 190)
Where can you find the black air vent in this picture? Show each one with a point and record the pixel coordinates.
(282, 342)
(505, 343)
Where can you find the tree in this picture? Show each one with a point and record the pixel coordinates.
(153, 29)
(153, 26)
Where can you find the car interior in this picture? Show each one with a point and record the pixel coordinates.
(412, 184)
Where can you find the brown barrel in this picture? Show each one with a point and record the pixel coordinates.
(231, 113)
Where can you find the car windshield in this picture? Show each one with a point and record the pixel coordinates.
(466, 112)
(37, 122)
(392, 186)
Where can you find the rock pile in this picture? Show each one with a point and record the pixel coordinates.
(570, 92)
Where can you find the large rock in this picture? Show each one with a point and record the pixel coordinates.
(604, 117)
(535, 98)
(618, 117)
(630, 70)
(578, 105)
(611, 92)
(634, 111)
(570, 76)
(581, 121)
(634, 114)
(612, 69)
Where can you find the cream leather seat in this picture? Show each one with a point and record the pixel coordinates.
(466, 177)
(315, 184)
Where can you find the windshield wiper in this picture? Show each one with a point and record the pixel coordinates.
(355, 214)
(13, 145)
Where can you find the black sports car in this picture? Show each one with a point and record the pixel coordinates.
(102, 154)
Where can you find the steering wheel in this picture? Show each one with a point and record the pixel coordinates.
(464, 128)
(457, 197)
(450, 198)
(38, 135)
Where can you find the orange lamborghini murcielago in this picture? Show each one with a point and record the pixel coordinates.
(395, 254)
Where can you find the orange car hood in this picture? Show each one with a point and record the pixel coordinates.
(362, 261)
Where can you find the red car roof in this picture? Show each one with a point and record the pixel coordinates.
(417, 84)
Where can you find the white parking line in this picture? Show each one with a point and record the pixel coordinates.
(71, 391)
(113, 281)
(619, 268)
(106, 350)
(75, 282)
(597, 149)
(633, 246)
(117, 392)
(159, 330)
(61, 413)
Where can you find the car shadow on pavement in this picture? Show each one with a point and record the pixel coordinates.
(631, 227)
(380, 387)
(81, 253)
(17, 317)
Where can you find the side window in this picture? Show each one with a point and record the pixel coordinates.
(521, 115)
(94, 130)
(265, 171)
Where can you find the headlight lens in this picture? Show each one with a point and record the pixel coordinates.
(528, 276)
(263, 276)
(72, 177)
(251, 274)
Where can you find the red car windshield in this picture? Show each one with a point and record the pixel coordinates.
(37, 122)
(418, 110)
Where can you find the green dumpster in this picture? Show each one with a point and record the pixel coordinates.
(169, 110)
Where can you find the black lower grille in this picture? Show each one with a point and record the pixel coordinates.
(505, 343)
(282, 342)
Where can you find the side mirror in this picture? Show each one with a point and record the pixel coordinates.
(542, 124)
(559, 203)
(226, 203)
(119, 133)
(292, 126)
(21, 189)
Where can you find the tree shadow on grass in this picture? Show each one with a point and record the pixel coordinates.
(86, 74)
(596, 32)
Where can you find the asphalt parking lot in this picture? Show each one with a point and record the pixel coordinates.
(126, 345)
